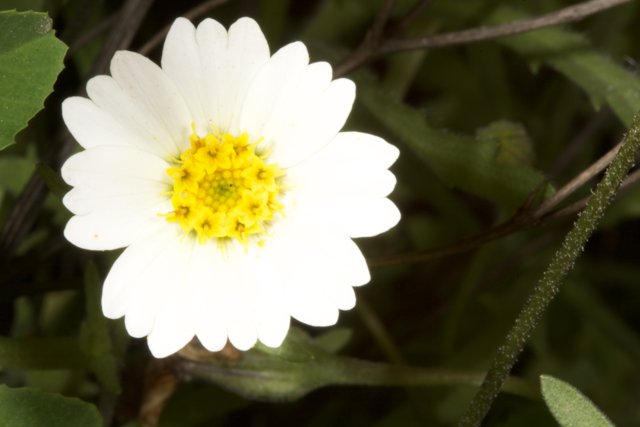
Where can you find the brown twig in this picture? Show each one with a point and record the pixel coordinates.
(598, 166)
(524, 219)
(409, 17)
(379, 23)
(578, 205)
(474, 35)
(191, 14)
(515, 224)
(371, 42)
(160, 384)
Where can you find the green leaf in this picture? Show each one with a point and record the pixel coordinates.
(24, 407)
(570, 407)
(262, 374)
(95, 336)
(30, 61)
(334, 340)
(475, 166)
(572, 55)
(514, 144)
(41, 353)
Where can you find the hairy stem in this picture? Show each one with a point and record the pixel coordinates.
(549, 285)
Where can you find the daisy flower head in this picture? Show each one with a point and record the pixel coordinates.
(225, 177)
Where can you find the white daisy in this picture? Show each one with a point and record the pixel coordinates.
(225, 177)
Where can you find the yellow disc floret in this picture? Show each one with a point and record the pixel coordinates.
(223, 188)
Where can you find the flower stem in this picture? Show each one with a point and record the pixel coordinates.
(364, 373)
(549, 285)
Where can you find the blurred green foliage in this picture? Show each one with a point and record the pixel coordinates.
(481, 127)
(23, 407)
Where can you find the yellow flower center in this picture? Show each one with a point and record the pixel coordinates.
(223, 188)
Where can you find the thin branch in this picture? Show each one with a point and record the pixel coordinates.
(562, 16)
(552, 202)
(371, 42)
(379, 23)
(515, 224)
(191, 14)
(522, 220)
(578, 205)
(474, 35)
(549, 285)
(410, 16)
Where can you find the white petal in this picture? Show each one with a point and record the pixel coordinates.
(272, 317)
(230, 63)
(133, 115)
(273, 327)
(151, 89)
(114, 178)
(128, 270)
(107, 230)
(268, 87)
(173, 327)
(318, 127)
(212, 40)
(141, 198)
(145, 283)
(113, 162)
(241, 303)
(313, 183)
(344, 296)
(312, 276)
(118, 195)
(181, 62)
(358, 148)
(242, 333)
(170, 337)
(209, 280)
(355, 217)
(92, 126)
(313, 309)
(227, 304)
(352, 165)
(298, 99)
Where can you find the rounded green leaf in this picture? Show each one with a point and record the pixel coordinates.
(24, 407)
(30, 61)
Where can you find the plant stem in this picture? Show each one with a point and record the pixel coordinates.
(549, 285)
(474, 35)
